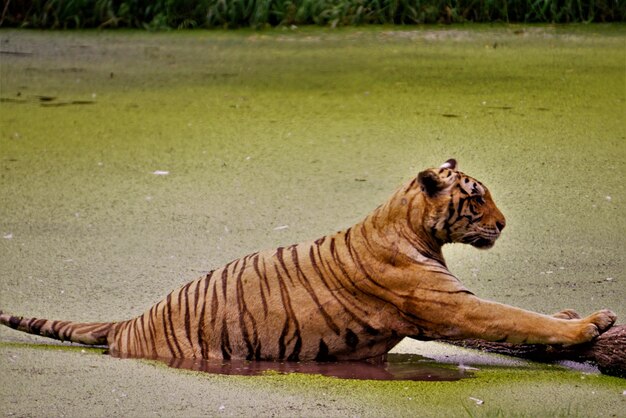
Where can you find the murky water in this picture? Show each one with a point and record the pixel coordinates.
(397, 367)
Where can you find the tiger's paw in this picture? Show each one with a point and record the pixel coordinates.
(567, 314)
(595, 324)
(603, 319)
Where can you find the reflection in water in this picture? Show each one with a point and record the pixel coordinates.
(397, 367)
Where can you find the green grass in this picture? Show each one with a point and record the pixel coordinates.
(164, 14)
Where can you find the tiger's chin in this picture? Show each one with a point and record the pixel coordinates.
(482, 242)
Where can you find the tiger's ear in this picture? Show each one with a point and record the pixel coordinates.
(430, 182)
(451, 164)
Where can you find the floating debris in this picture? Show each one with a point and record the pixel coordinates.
(278, 228)
(18, 53)
(68, 103)
(161, 173)
(477, 401)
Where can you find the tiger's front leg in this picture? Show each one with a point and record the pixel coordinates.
(467, 316)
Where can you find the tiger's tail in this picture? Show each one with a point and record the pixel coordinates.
(88, 333)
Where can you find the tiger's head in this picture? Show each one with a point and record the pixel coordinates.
(456, 208)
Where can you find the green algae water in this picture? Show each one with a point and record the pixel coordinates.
(131, 163)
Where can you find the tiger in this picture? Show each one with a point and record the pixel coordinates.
(351, 295)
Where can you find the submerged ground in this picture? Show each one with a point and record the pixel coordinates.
(270, 138)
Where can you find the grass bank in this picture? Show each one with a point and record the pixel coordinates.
(168, 14)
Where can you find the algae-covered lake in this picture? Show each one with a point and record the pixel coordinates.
(274, 137)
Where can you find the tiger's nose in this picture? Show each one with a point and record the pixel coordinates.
(500, 225)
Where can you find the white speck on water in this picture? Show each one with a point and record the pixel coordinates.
(477, 401)
(148, 198)
(161, 173)
(221, 408)
(248, 158)
(609, 279)
(100, 164)
(8, 236)
(608, 198)
(93, 95)
(62, 291)
(278, 228)
(226, 229)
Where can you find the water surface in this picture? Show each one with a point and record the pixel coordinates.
(397, 367)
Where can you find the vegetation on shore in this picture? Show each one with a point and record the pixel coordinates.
(167, 14)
